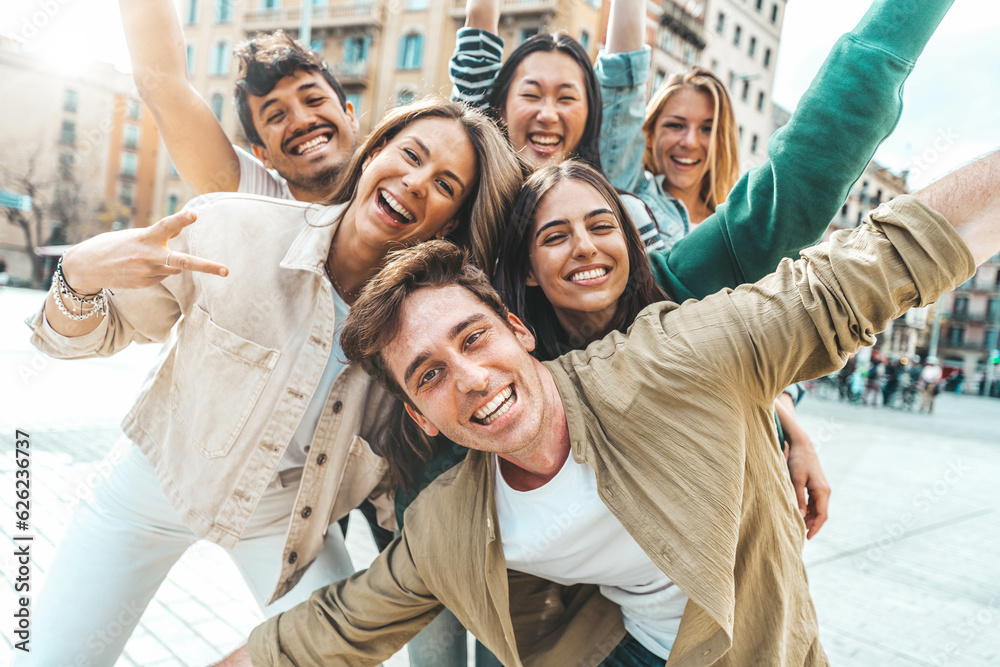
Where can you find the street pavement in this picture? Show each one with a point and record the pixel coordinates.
(906, 572)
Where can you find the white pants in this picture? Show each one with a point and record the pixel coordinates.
(118, 549)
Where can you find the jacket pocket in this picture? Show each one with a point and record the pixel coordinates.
(218, 377)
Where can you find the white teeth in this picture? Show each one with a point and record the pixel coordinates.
(545, 139)
(497, 407)
(589, 275)
(311, 144)
(396, 206)
(685, 160)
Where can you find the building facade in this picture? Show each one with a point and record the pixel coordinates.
(969, 325)
(80, 144)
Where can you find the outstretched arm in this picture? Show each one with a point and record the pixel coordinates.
(622, 70)
(199, 148)
(784, 205)
(478, 49)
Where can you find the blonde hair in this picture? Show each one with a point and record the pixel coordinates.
(723, 163)
(484, 212)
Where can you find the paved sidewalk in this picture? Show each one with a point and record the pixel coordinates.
(905, 573)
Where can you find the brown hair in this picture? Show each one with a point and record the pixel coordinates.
(266, 59)
(487, 205)
(723, 163)
(374, 322)
(513, 263)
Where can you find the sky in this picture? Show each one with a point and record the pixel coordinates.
(951, 101)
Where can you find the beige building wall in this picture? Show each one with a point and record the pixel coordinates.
(65, 123)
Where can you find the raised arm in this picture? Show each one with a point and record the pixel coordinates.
(201, 151)
(784, 205)
(478, 51)
(622, 70)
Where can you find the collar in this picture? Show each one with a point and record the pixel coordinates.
(309, 250)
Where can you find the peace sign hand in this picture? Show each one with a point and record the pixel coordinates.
(133, 258)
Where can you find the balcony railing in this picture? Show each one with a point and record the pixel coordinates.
(511, 7)
(351, 72)
(337, 14)
(686, 26)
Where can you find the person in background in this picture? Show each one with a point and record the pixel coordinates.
(930, 377)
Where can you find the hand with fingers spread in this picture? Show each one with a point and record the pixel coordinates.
(127, 259)
(133, 258)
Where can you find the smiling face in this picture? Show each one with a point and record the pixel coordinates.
(308, 135)
(579, 257)
(681, 139)
(412, 188)
(546, 108)
(467, 372)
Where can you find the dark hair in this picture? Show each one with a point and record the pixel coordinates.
(374, 322)
(267, 58)
(589, 148)
(513, 263)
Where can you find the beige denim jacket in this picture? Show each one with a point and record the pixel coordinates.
(242, 357)
(675, 419)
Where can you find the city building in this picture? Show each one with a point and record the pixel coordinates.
(741, 47)
(79, 144)
(969, 326)
(876, 185)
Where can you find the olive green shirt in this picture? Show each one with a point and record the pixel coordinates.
(675, 419)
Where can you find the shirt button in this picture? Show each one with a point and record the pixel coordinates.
(292, 557)
(338, 406)
(321, 459)
(707, 651)
(306, 512)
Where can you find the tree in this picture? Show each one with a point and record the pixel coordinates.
(62, 212)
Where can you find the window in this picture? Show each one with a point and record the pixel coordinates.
(753, 143)
(192, 16)
(741, 132)
(132, 109)
(760, 5)
(190, 58)
(658, 79)
(585, 39)
(715, 65)
(737, 35)
(270, 4)
(991, 310)
(774, 13)
(411, 51)
(219, 66)
(216, 104)
(317, 45)
(416, 5)
(172, 169)
(224, 11)
(527, 33)
(760, 101)
(753, 47)
(128, 165)
(69, 100)
(126, 193)
(745, 95)
(173, 203)
(961, 306)
(356, 49)
(131, 136)
(68, 133)
(720, 24)
(956, 337)
(689, 55)
(65, 163)
(767, 58)
(666, 40)
(843, 209)
(405, 96)
(732, 81)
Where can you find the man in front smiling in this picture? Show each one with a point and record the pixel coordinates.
(652, 452)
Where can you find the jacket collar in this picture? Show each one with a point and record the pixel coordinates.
(309, 250)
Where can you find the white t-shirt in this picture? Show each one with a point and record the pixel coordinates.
(298, 447)
(256, 179)
(563, 532)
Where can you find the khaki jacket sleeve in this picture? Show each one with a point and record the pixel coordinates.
(803, 320)
(359, 621)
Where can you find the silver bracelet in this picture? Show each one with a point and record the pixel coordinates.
(93, 304)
